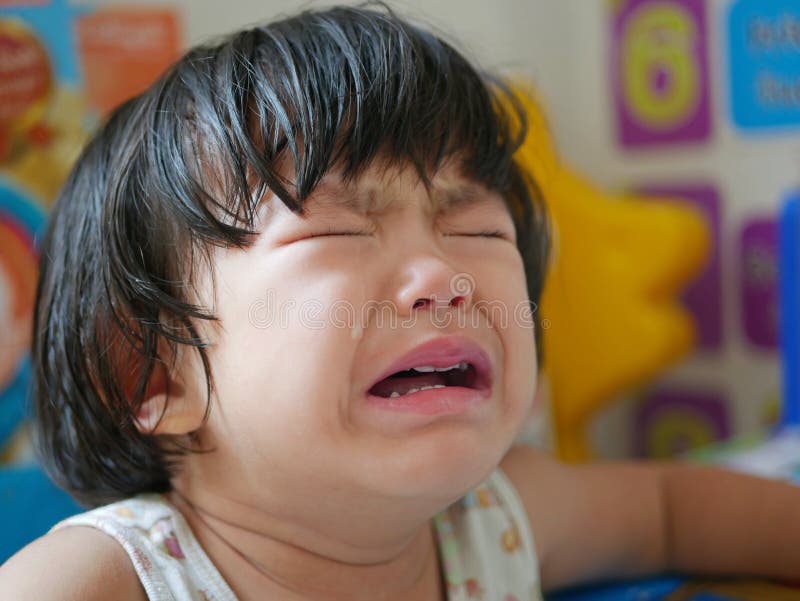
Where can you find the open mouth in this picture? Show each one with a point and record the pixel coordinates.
(427, 377)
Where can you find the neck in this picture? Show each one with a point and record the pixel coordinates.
(259, 553)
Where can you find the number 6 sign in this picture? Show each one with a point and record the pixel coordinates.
(660, 71)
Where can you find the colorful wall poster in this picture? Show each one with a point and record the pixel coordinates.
(659, 71)
(763, 49)
(671, 420)
(704, 297)
(59, 73)
(758, 250)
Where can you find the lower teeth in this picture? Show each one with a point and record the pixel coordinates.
(396, 394)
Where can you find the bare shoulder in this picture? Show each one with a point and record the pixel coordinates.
(74, 563)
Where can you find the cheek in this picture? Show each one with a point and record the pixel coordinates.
(290, 388)
(502, 298)
(281, 364)
(501, 292)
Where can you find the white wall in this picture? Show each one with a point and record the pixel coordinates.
(519, 36)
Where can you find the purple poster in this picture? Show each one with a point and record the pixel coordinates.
(672, 421)
(759, 282)
(703, 298)
(659, 71)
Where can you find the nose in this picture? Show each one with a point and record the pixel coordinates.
(429, 282)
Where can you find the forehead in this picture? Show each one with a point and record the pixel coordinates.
(376, 194)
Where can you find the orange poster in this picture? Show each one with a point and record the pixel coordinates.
(123, 49)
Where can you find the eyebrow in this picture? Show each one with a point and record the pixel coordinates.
(368, 201)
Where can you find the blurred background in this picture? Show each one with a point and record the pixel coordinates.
(695, 101)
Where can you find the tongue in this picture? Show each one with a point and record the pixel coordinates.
(402, 385)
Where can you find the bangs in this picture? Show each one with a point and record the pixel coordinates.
(339, 88)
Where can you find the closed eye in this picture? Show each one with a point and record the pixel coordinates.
(485, 234)
(332, 232)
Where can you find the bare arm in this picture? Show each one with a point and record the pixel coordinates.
(721, 522)
(590, 523)
(616, 520)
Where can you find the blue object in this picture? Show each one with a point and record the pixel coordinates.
(789, 307)
(764, 63)
(654, 589)
(29, 506)
(13, 399)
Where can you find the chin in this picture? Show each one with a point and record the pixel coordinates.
(447, 467)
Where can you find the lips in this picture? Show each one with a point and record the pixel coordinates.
(474, 371)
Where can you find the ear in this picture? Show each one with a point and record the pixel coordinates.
(170, 407)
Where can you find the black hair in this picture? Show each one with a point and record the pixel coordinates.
(181, 167)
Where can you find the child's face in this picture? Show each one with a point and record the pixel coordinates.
(297, 352)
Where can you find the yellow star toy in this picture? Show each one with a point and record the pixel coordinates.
(612, 317)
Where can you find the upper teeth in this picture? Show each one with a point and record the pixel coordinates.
(462, 365)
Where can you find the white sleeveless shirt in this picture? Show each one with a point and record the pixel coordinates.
(484, 542)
